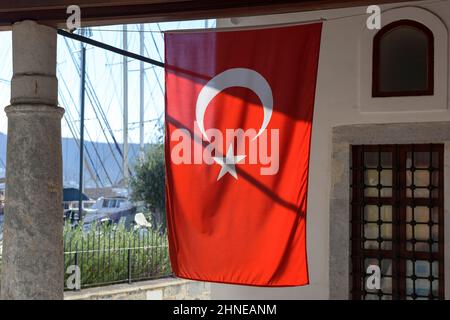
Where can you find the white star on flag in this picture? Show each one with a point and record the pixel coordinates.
(228, 163)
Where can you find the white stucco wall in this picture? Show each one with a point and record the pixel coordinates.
(338, 102)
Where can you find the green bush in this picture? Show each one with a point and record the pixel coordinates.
(148, 183)
(111, 253)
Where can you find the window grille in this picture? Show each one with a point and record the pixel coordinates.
(397, 221)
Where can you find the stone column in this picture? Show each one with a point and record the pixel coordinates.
(33, 265)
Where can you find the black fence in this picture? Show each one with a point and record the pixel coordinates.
(114, 255)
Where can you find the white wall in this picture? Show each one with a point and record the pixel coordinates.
(338, 102)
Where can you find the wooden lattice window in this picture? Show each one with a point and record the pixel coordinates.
(398, 220)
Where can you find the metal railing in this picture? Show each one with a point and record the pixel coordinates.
(111, 256)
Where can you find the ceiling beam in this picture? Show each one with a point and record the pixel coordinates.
(101, 12)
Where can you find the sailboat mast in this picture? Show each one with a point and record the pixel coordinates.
(82, 105)
(141, 91)
(125, 105)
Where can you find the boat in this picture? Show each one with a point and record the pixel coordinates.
(71, 198)
(110, 210)
(71, 209)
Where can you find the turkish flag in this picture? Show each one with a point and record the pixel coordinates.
(239, 111)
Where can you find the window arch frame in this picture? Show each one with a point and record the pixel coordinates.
(429, 91)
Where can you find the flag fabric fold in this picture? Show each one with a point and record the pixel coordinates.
(239, 112)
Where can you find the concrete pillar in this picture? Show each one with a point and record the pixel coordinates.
(33, 265)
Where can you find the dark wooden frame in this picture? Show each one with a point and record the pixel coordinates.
(376, 92)
(398, 254)
(107, 12)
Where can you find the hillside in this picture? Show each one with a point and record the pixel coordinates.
(101, 160)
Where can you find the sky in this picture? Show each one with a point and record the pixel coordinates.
(104, 86)
(104, 80)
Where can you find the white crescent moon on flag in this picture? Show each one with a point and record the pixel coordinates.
(236, 77)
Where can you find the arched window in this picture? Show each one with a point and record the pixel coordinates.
(403, 63)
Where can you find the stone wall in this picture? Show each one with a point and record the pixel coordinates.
(343, 138)
(161, 289)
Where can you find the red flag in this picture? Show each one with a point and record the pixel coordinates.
(239, 109)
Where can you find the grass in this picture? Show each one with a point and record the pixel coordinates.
(109, 254)
(112, 253)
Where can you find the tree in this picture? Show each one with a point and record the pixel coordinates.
(148, 183)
